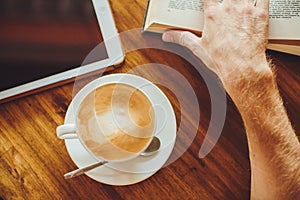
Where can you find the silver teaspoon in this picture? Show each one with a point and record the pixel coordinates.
(150, 150)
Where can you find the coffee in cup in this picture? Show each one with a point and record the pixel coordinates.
(114, 122)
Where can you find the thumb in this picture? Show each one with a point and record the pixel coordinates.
(184, 38)
(193, 43)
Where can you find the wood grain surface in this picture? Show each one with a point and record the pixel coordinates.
(33, 160)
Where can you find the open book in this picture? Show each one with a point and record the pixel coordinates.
(284, 27)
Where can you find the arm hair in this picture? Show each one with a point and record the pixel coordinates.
(273, 145)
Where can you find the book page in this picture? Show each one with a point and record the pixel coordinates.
(151, 12)
(291, 49)
(284, 19)
(186, 14)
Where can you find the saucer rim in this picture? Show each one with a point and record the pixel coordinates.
(132, 176)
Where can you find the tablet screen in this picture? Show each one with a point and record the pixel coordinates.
(39, 38)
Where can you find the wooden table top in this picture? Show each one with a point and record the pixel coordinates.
(33, 160)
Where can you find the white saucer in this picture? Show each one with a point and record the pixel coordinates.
(140, 168)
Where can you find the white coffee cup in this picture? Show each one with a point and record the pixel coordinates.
(115, 121)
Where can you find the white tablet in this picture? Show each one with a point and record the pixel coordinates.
(44, 43)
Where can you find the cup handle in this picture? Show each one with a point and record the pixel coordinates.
(66, 131)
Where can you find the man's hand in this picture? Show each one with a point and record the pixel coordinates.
(233, 45)
(233, 41)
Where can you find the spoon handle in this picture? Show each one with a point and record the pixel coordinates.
(80, 171)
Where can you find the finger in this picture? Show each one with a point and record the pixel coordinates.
(193, 43)
(263, 4)
(184, 38)
(236, 2)
(227, 1)
(208, 3)
(251, 2)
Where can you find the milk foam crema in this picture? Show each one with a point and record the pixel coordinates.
(116, 121)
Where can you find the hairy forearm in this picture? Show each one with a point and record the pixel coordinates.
(233, 46)
(273, 145)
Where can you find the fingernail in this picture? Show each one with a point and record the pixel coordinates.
(167, 37)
